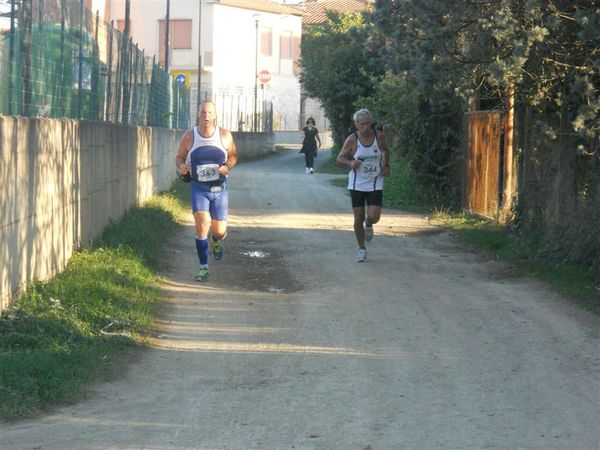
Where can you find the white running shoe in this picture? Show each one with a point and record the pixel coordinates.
(311, 170)
(368, 232)
(307, 170)
(361, 254)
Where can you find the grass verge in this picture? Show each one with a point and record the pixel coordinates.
(525, 251)
(402, 190)
(81, 326)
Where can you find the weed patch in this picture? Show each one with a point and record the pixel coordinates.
(79, 326)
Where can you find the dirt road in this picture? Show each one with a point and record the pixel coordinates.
(293, 345)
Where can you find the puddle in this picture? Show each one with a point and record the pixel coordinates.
(256, 254)
(275, 290)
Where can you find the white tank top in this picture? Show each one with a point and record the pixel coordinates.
(205, 157)
(367, 177)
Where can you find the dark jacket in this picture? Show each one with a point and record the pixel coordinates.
(309, 144)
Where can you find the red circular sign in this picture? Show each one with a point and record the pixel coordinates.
(264, 76)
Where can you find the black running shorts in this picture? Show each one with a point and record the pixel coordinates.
(371, 198)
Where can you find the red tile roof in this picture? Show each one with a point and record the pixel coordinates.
(314, 11)
(262, 5)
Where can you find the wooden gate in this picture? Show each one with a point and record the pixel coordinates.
(483, 163)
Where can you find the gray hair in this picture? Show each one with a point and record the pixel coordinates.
(362, 114)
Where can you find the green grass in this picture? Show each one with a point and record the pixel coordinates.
(329, 166)
(403, 191)
(85, 323)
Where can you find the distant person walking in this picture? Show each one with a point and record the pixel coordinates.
(366, 155)
(310, 143)
(207, 153)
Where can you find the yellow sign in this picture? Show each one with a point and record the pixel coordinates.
(183, 76)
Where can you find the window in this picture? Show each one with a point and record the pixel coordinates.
(266, 41)
(285, 45)
(180, 36)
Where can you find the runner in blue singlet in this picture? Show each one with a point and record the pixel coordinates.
(208, 154)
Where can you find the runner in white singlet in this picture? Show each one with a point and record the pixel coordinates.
(366, 155)
(368, 177)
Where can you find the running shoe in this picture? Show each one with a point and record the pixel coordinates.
(368, 232)
(311, 170)
(361, 254)
(202, 274)
(217, 249)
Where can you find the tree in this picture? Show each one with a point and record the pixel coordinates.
(338, 68)
(438, 52)
(546, 49)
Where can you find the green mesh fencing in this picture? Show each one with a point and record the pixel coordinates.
(59, 60)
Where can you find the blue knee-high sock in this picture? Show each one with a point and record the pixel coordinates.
(202, 249)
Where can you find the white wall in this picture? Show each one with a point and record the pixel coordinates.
(234, 70)
(230, 34)
(313, 108)
(233, 52)
(144, 21)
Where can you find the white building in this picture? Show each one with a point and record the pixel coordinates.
(239, 40)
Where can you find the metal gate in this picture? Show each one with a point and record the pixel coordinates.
(483, 163)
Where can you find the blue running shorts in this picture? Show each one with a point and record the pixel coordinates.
(214, 199)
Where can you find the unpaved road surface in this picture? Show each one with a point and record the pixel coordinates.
(293, 345)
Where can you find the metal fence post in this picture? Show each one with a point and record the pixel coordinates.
(109, 80)
(80, 63)
(11, 56)
(26, 57)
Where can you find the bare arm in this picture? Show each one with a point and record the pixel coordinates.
(227, 139)
(344, 158)
(386, 153)
(184, 148)
(318, 139)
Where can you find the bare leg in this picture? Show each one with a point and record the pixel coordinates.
(373, 214)
(203, 222)
(359, 227)
(218, 228)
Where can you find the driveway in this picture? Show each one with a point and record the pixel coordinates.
(294, 345)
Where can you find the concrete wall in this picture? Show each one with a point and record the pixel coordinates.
(63, 181)
(253, 145)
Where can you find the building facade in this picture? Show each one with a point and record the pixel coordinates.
(248, 58)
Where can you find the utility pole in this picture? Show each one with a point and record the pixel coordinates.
(254, 128)
(167, 26)
(199, 99)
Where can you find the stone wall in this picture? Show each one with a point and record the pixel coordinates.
(62, 181)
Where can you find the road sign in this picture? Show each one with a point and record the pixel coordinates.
(182, 76)
(264, 76)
